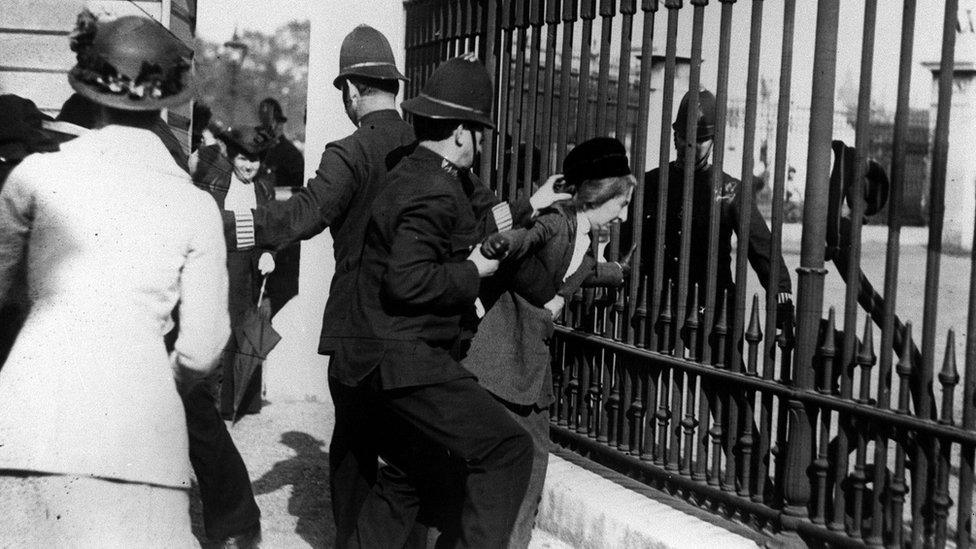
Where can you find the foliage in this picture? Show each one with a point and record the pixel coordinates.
(276, 65)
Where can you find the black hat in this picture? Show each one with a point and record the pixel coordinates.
(706, 116)
(597, 158)
(247, 140)
(269, 106)
(459, 89)
(130, 63)
(366, 52)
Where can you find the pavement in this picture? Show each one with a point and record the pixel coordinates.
(286, 450)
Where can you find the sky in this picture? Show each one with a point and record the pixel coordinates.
(217, 20)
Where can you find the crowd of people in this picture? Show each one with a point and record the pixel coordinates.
(131, 267)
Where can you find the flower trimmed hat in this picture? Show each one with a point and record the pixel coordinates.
(130, 63)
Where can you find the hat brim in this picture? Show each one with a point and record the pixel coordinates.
(422, 106)
(376, 72)
(125, 103)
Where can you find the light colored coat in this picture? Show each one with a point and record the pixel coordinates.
(113, 235)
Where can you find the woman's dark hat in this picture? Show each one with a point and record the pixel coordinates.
(247, 140)
(270, 109)
(130, 63)
(459, 89)
(598, 158)
(366, 52)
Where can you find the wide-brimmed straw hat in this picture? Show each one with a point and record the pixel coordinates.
(130, 63)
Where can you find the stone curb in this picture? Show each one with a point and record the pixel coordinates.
(585, 510)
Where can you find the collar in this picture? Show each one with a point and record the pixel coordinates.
(425, 154)
(382, 115)
(129, 145)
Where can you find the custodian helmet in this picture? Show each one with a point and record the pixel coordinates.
(706, 116)
(366, 52)
(459, 89)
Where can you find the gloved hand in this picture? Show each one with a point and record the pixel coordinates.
(266, 264)
(495, 246)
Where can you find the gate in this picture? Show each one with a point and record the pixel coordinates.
(801, 437)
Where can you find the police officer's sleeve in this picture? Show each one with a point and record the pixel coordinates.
(760, 246)
(314, 207)
(493, 214)
(416, 273)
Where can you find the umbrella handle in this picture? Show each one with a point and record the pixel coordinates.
(264, 282)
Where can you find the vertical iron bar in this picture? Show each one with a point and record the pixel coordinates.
(865, 360)
(717, 175)
(688, 180)
(821, 465)
(921, 474)
(776, 242)
(491, 64)
(811, 272)
(639, 163)
(898, 485)
(536, 8)
(948, 377)
(856, 193)
(691, 130)
(504, 91)
(512, 141)
(753, 337)
(548, 100)
(898, 155)
(663, 165)
(565, 79)
(627, 10)
(587, 13)
(967, 463)
(607, 9)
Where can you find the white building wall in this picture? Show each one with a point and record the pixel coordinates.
(295, 369)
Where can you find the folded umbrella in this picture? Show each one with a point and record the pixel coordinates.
(255, 339)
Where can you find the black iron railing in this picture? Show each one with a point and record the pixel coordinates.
(701, 390)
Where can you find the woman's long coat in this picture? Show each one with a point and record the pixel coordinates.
(113, 235)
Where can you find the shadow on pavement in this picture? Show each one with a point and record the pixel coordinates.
(308, 474)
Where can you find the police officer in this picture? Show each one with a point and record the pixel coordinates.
(730, 201)
(351, 174)
(420, 274)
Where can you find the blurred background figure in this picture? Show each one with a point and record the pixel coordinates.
(238, 190)
(287, 165)
(283, 158)
(117, 238)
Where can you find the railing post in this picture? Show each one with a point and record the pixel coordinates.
(811, 271)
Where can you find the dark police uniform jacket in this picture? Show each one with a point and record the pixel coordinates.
(729, 210)
(510, 354)
(415, 285)
(349, 176)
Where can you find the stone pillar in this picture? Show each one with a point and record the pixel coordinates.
(960, 187)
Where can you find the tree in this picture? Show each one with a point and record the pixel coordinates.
(276, 65)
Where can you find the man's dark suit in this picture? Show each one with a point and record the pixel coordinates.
(414, 286)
